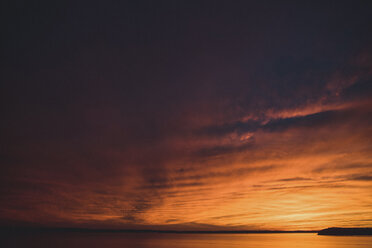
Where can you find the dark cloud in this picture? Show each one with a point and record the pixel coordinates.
(222, 150)
(329, 118)
(293, 179)
(172, 185)
(340, 166)
(316, 120)
(220, 130)
(358, 91)
(359, 177)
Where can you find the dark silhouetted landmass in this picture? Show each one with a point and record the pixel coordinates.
(88, 230)
(345, 231)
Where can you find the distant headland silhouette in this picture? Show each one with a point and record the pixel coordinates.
(345, 231)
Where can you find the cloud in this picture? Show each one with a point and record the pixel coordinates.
(359, 177)
(266, 115)
(292, 179)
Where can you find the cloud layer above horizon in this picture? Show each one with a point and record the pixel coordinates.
(187, 116)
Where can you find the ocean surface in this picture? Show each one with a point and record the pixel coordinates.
(163, 240)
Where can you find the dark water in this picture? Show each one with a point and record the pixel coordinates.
(154, 240)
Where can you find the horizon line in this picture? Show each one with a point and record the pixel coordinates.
(114, 230)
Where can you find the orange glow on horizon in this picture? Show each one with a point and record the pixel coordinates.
(287, 181)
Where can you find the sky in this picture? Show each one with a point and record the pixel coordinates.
(186, 115)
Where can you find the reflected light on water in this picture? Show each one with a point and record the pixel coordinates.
(154, 240)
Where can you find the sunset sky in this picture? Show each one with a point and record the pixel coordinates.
(186, 115)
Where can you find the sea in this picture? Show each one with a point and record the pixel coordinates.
(179, 240)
